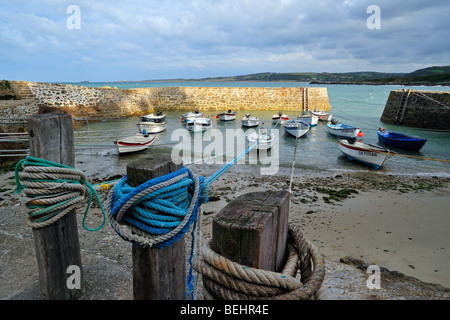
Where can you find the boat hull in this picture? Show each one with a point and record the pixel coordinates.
(152, 127)
(227, 116)
(250, 122)
(135, 143)
(153, 118)
(372, 156)
(323, 116)
(191, 116)
(280, 119)
(296, 128)
(265, 140)
(309, 119)
(199, 125)
(343, 131)
(400, 140)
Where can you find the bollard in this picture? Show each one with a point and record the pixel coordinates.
(158, 273)
(57, 246)
(252, 230)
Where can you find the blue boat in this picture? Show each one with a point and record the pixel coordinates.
(400, 140)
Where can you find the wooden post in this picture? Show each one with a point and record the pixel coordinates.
(158, 273)
(57, 246)
(252, 230)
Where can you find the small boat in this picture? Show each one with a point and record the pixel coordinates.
(280, 117)
(310, 119)
(249, 121)
(190, 116)
(264, 139)
(400, 140)
(152, 127)
(343, 130)
(199, 125)
(296, 127)
(227, 116)
(158, 118)
(322, 115)
(137, 142)
(371, 155)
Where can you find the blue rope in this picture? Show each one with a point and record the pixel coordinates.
(162, 210)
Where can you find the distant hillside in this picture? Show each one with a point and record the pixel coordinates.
(438, 75)
(427, 76)
(307, 76)
(431, 71)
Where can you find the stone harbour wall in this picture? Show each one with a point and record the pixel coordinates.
(421, 109)
(80, 101)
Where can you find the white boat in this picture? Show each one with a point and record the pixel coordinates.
(190, 116)
(310, 119)
(343, 130)
(371, 155)
(264, 139)
(158, 118)
(296, 128)
(280, 118)
(137, 142)
(152, 127)
(227, 116)
(249, 121)
(322, 115)
(199, 125)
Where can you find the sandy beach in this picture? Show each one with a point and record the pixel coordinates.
(395, 222)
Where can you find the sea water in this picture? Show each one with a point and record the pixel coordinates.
(356, 105)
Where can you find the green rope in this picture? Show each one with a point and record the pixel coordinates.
(47, 198)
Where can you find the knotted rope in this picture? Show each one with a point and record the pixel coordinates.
(228, 280)
(54, 189)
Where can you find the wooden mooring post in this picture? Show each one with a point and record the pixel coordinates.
(57, 246)
(158, 273)
(252, 230)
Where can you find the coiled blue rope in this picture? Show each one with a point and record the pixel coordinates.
(160, 211)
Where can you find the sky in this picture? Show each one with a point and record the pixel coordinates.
(96, 40)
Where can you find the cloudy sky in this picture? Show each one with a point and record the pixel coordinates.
(46, 40)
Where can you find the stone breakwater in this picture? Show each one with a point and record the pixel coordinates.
(36, 97)
(417, 108)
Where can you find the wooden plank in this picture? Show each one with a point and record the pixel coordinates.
(57, 245)
(252, 230)
(158, 274)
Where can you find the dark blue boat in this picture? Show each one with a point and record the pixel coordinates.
(400, 140)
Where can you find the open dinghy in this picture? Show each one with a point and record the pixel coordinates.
(250, 121)
(137, 142)
(264, 138)
(371, 155)
(296, 128)
(400, 140)
(227, 116)
(199, 125)
(343, 130)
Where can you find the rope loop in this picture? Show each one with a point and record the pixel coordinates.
(158, 212)
(54, 190)
(228, 280)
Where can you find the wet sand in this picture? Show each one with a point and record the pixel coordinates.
(396, 222)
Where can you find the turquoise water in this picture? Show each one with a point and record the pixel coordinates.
(357, 105)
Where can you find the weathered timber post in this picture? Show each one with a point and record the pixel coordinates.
(252, 230)
(57, 246)
(158, 273)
